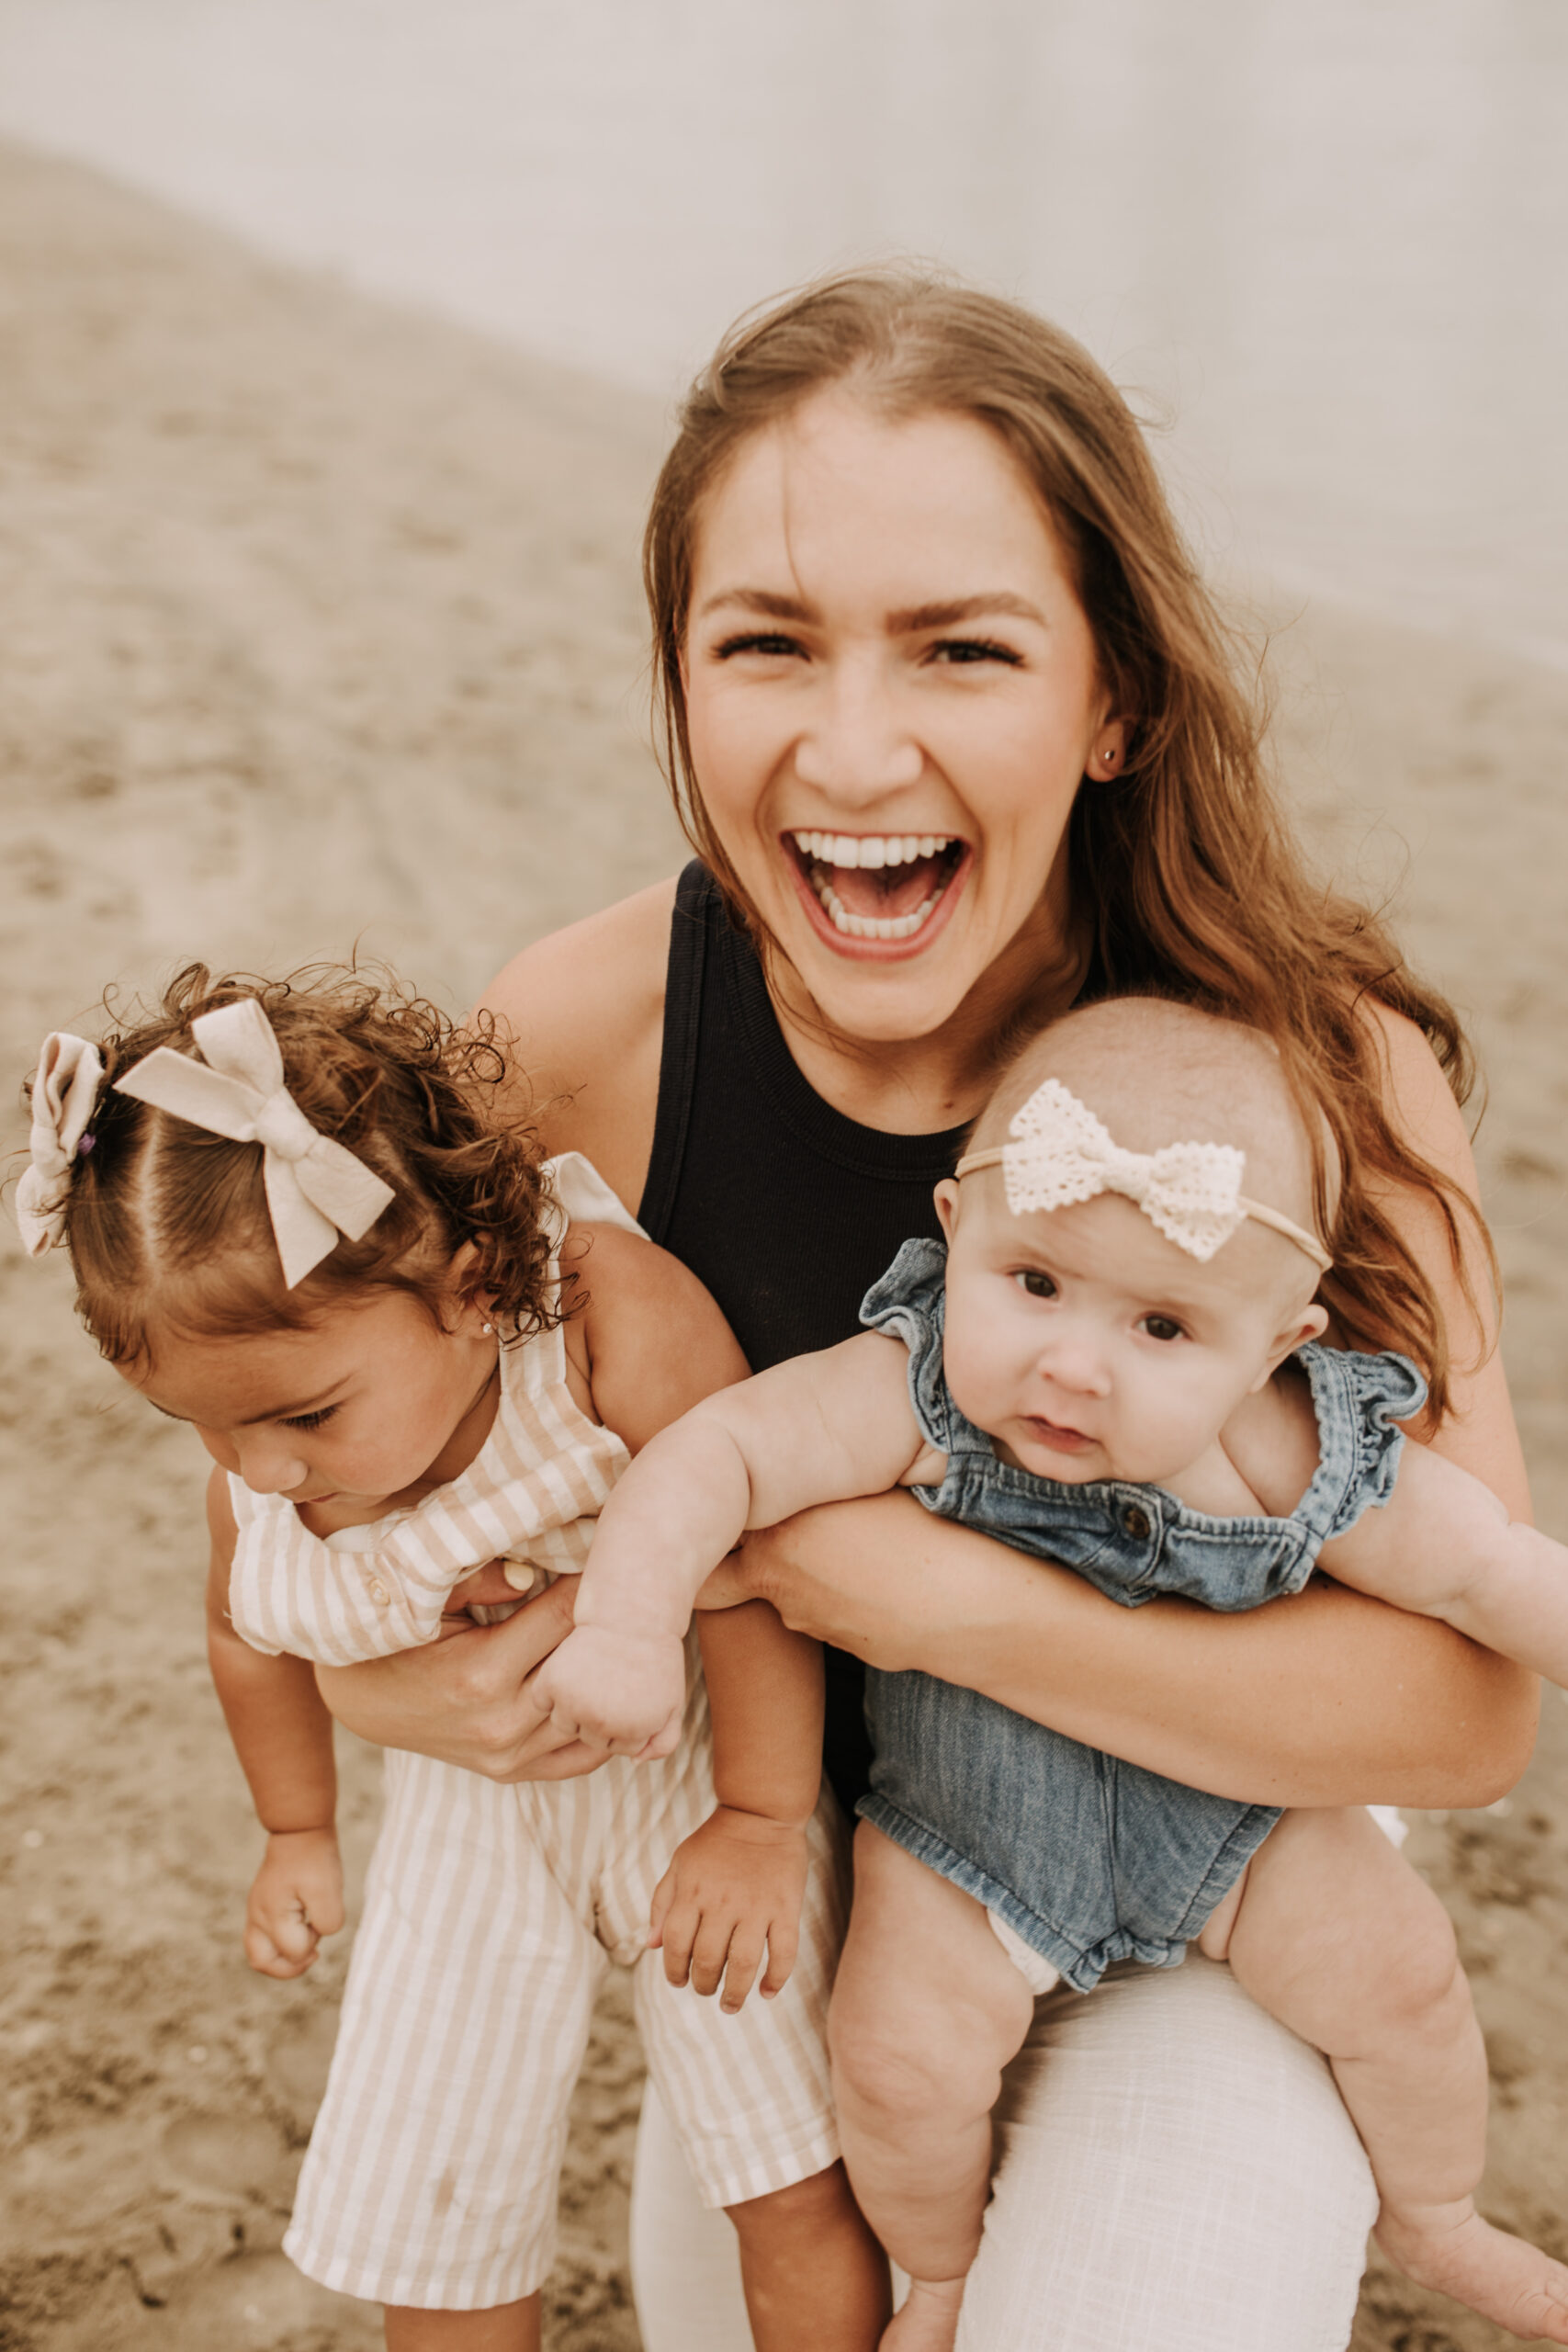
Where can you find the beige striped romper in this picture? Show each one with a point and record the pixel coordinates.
(491, 1912)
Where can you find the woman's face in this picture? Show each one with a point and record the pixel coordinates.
(892, 699)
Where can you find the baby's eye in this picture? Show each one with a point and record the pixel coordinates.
(310, 1420)
(1162, 1327)
(1037, 1285)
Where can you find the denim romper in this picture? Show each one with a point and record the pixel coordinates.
(1091, 1859)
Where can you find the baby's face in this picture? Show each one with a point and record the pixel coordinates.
(1090, 1347)
(350, 1414)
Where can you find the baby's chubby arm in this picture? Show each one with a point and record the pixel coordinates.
(819, 1429)
(1442, 1546)
(283, 1737)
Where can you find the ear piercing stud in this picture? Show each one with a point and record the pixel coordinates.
(488, 1331)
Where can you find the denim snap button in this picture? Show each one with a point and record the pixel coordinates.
(1136, 1523)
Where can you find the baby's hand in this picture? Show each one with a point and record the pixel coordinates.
(735, 1884)
(622, 1692)
(296, 1899)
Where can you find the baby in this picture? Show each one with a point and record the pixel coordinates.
(295, 1227)
(1115, 1363)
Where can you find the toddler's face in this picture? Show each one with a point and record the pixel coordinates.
(1090, 1347)
(349, 1414)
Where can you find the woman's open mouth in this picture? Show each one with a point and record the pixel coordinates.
(881, 889)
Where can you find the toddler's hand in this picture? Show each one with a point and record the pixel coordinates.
(623, 1691)
(295, 1900)
(734, 1886)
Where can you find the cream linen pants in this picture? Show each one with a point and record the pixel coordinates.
(1174, 2170)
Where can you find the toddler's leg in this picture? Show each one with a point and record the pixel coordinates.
(512, 2327)
(926, 2011)
(815, 2279)
(1339, 1939)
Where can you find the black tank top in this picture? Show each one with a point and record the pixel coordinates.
(784, 1208)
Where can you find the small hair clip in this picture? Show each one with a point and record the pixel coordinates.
(65, 1089)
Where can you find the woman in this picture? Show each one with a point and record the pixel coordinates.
(954, 734)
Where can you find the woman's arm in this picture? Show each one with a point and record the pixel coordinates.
(1328, 1698)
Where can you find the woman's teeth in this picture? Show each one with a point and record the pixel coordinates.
(876, 852)
(871, 848)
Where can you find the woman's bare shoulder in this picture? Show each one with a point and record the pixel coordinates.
(583, 1012)
(1417, 1093)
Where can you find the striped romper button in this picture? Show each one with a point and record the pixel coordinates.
(379, 1593)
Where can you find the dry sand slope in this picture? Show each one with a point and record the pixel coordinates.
(318, 622)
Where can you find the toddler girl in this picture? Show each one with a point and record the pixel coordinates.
(293, 1226)
(1114, 1363)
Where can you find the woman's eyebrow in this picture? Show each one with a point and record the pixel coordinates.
(759, 600)
(952, 610)
(944, 613)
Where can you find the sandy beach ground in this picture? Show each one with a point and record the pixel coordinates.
(320, 624)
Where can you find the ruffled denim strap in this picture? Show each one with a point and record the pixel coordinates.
(1359, 1401)
(908, 1302)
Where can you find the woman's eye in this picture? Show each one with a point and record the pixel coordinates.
(958, 652)
(1162, 1327)
(310, 1420)
(765, 642)
(1037, 1285)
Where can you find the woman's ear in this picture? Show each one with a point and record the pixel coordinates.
(947, 1199)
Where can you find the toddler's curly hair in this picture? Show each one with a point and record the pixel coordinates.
(167, 1225)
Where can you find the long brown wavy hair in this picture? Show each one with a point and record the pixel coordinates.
(167, 1225)
(1182, 867)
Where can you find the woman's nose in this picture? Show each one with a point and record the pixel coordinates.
(855, 746)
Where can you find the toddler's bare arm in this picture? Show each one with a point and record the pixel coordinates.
(283, 1737)
(736, 1887)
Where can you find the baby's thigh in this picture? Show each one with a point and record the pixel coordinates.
(1174, 2169)
(1335, 1932)
(924, 1987)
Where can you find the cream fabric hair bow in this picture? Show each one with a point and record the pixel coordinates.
(1190, 1191)
(316, 1189)
(64, 1091)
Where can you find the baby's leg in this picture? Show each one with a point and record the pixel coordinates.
(512, 2327)
(926, 2011)
(1341, 1940)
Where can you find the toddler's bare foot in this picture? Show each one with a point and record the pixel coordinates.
(927, 2321)
(1507, 2281)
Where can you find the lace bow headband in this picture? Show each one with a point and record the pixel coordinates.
(316, 1189)
(1190, 1191)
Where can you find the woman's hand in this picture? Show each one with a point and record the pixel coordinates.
(468, 1699)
